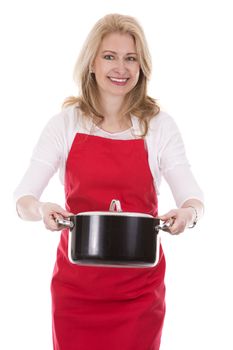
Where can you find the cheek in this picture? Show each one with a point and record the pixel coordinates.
(136, 73)
(136, 69)
(100, 75)
(98, 66)
(102, 71)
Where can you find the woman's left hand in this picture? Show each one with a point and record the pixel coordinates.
(180, 219)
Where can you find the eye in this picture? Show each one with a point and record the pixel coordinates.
(131, 58)
(108, 57)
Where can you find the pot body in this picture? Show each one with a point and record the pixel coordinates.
(114, 240)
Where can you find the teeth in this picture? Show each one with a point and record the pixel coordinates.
(119, 80)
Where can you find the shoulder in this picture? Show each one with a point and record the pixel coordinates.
(65, 118)
(67, 121)
(162, 127)
(162, 120)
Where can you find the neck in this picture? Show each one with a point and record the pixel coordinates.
(113, 120)
(111, 107)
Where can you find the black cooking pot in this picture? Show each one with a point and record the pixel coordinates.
(114, 238)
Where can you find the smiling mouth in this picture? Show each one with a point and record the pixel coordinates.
(119, 80)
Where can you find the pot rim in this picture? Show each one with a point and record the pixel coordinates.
(114, 213)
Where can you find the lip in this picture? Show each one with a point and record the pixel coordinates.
(118, 81)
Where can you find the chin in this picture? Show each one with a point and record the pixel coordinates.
(121, 91)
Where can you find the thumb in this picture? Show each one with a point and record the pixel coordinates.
(168, 215)
(66, 213)
(63, 212)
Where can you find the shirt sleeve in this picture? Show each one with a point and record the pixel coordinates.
(45, 160)
(183, 184)
(174, 165)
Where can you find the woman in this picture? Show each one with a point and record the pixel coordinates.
(110, 142)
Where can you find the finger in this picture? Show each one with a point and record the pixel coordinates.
(51, 224)
(63, 212)
(66, 213)
(169, 215)
(178, 227)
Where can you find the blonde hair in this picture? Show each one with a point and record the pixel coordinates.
(136, 101)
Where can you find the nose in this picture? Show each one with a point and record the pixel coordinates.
(120, 67)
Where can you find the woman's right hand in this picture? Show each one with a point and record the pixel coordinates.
(50, 212)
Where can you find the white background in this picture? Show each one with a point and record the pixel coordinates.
(191, 45)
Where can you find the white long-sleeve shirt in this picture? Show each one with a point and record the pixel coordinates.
(166, 153)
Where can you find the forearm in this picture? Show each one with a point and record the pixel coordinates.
(28, 208)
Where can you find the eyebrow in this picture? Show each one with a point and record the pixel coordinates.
(114, 52)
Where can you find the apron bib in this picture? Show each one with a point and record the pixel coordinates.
(103, 308)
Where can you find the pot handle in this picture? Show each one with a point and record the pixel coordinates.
(64, 222)
(165, 226)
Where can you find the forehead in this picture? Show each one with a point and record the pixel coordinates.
(120, 43)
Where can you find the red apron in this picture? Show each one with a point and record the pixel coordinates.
(107, 308)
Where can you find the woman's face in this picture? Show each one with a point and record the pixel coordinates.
(116, 65)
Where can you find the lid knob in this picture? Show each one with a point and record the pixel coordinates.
(115, 205)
